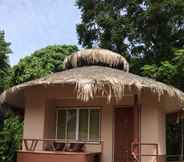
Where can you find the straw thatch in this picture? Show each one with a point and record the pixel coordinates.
(100, 57)
(94, 80)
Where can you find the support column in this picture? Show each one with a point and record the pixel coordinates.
(34, 119)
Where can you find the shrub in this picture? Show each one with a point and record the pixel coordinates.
(10, 138)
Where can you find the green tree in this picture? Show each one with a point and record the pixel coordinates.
(165, 72)
(148, 29)
(10, 138)
(4, 62)
(40, 63)
(170, 71)
(179, 62)
(150, 33)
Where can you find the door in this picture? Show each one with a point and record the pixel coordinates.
(124, 134)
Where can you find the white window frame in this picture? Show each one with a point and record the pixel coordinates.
(77, 122)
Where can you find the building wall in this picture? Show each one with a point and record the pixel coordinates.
(34, 119)
(106, 124)
(40, 115)
(152, 128)
(106, 119)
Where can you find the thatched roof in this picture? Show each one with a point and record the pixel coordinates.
(100, 57)
(92, 80)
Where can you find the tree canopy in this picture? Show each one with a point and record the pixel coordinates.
(170, 71)
(149, 33)
(147, 29)
(40, 63)
(4, 61)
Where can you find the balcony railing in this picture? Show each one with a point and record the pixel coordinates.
(58, 145)
(138, 154)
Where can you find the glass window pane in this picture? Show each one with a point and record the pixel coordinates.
(71, 124)
(94, 125)
(61, 124)
(66, 124)
(83, 124)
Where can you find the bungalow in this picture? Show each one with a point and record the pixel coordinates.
(94, 111)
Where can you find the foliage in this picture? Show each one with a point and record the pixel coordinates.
(146, 29)
(40, 63)
(150, 71)
(179, 61)
(166, 72)
(170, 72)
(149, 33)
(4, 64)
(10, 138)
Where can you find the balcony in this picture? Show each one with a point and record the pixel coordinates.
(51, 150)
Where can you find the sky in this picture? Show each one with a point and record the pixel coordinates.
(33, 24)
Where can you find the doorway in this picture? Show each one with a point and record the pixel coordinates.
(123, 134)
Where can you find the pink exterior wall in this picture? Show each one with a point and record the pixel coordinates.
(106, 121)
(152, 128)
(40, 115)
(34, 119)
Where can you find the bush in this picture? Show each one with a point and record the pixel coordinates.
(10, 138)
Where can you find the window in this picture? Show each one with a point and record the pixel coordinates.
(78, 124)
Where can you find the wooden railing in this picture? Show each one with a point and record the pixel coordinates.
(34, 144)
(138, 146)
